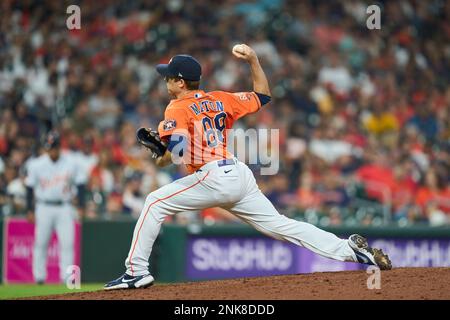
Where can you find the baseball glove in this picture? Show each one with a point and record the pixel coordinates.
(150, 139)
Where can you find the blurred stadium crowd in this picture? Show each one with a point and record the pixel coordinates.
(363, 114)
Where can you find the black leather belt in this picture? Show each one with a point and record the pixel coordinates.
(52, 202)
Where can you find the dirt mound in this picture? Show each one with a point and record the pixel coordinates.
(401, 283)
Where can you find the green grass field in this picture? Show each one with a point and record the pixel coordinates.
(11, 291)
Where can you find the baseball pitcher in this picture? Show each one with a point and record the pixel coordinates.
(193, 130)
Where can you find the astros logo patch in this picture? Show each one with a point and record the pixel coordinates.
(169, 125)
(244, 96)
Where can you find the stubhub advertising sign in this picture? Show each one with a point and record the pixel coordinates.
(214, 258)
(220, 258)
(227, 257)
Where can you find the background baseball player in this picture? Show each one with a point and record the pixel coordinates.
(196, 120)
(50, 183)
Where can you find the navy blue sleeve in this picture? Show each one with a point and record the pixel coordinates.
(263, 98)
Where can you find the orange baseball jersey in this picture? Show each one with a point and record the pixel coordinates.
(202, 119)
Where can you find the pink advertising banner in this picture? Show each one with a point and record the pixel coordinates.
(18, 252)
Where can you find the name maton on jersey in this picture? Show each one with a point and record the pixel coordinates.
(206, 106)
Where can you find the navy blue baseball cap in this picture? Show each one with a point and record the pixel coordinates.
(181, 66)
(52, 140)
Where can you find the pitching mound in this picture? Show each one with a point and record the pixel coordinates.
(401, 283)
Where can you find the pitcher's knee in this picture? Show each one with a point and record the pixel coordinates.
(151, 197)
(155, 207)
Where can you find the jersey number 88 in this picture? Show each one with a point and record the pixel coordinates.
(213, 129)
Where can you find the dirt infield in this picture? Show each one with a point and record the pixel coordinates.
(401, 283)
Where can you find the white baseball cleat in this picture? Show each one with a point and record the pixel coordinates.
(368, 255)
(129, 282)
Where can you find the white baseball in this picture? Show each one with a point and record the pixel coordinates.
(239, 48)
